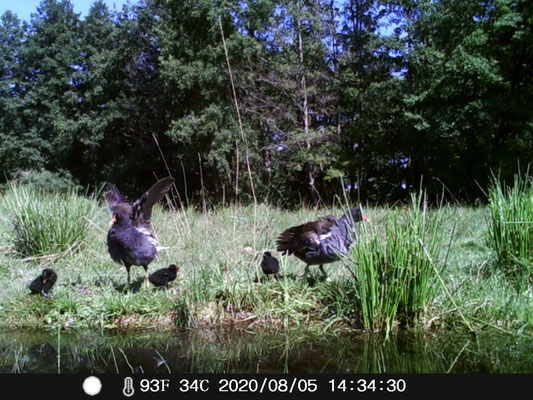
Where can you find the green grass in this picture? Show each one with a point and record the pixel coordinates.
(221, 283)
(394, 276)
(511, 228)
(41, 224)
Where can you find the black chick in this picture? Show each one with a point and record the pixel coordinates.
(270, 264)
(162, 277)
(131, 239)
(44, 282)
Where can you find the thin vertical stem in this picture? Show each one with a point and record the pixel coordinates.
(243, 135)
(59, 349)
(174, 184)
(467, 323)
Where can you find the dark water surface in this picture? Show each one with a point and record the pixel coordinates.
(232, 351)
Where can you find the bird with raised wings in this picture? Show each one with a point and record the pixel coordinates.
(131, 239)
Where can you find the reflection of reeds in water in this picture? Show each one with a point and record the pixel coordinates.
(398, 356)
(219, 351)
(15, 357)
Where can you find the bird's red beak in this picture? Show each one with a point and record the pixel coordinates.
(365, 218)
(113, 219)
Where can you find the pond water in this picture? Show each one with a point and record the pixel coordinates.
(233, 351)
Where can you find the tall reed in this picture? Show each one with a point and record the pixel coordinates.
(510, 231)
(394, 279)
(45, 224)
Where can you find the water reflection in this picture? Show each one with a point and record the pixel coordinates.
(231, 351)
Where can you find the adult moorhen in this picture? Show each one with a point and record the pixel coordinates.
(44, 282)
(270, 264)
(322, 241)
(163, 276)
(131, 239)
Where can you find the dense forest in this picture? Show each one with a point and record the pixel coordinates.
(283, 101)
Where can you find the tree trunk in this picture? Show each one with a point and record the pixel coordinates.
(267, 176)
(305, 113)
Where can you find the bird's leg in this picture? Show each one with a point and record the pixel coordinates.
(145, 275)
(323, 272)
(128, 270)
(306, 271)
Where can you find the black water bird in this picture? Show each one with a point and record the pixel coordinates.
(43, 283)
(131, 239)
(322, 241)
(163, 276)
(270, 264)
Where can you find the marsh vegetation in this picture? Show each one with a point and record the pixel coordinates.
(421, 264)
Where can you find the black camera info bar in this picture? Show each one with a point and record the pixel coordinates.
(240, 386)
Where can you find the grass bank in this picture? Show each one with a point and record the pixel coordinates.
(219, 252)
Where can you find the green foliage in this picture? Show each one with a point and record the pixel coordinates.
(46, 181)
(395, 278)
(44, 224)
(510, 231)
(376, 93)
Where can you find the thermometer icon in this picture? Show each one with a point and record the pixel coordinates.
(128, 387)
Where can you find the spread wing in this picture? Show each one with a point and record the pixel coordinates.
(289, 240)
(115, 199)
(298, 238)
(142, 208)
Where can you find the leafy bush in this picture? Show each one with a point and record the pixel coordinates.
(44, 180)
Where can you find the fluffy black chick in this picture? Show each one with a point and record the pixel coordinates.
(43, 283)
(163, 276)
(270, 264)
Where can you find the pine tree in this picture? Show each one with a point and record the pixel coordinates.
(51, 62)
(16, 150)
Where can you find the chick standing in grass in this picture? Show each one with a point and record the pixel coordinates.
(162, 277)
(44, 282)
(270, 264)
